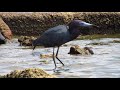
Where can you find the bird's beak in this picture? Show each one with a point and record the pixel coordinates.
(85, 24)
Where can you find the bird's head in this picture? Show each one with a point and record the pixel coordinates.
(81, 26)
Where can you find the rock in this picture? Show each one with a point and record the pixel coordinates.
(2, 39)
(46, 56)
(115, 41)
(98, 43)
(4, 28)
(73, 50)
(5, 32)
(29, 73)
(26, 41)
(2, 42)
(83, 51)
(88, 50)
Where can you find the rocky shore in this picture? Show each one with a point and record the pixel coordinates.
(35, 23)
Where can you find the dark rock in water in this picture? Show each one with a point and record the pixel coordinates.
(73, 50)
(89, 50)
(83, 51)
(26, 40)
(5, 30)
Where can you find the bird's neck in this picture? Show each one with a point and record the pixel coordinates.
(74, 33)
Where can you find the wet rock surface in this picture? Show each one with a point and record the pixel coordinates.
(82, 51)
(26, 40)
(29, 73)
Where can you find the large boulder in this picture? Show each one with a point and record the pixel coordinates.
(29, 73)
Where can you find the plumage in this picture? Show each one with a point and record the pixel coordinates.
(61, 34)
(55, 36)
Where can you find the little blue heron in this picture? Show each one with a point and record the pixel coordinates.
(61, 34)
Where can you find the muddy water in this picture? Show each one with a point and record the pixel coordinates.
(104, 63)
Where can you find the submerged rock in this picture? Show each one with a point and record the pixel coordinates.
(46, 56)
(83, 51)
(98, 43)
(115, 41)
(26, 40)
(29, 73)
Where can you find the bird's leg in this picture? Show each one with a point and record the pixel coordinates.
(54, 59)
(58, 58)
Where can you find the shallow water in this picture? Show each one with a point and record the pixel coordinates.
(104, 63)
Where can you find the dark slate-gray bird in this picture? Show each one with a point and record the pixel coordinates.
(59, 35)
(2, 38)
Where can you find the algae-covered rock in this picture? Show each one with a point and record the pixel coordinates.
(29, 73)
(26, 40)
(83, 51)
(35, 23)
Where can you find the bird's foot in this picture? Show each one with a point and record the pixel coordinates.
(63, 65)
(55, 69)
(59, 69)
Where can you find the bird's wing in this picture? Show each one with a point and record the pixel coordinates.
(55, 36)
